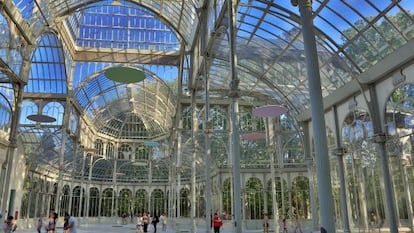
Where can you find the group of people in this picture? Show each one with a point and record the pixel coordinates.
(44, 225)
(49, 225)
(144, 220)
(284, 224)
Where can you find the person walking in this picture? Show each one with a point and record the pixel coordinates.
(145, 220)
(284, 226)
(41, 224)
(124, 218)
(139, 224)
(71, 223)
(298, 229)
(155, 221)
(51, 224)
(9, 226)
(163, 220)
(217, 223)
(65, 225)
(265, 223)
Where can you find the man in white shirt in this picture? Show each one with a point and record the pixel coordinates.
(71, 226)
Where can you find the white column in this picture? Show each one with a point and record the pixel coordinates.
(264, 179)
(150, 209)
(177, 189)
(114, 186)
(100, 204)
(274, 149)
(82, 185)
(363, 215)
(194, 148)
(318, 117)
(404, 163)
(179, 196)
(88, 188)
(234, 115)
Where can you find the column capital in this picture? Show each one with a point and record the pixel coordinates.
(208, 131)
(309, 161)
(12, 142)
(234, 88)
(234, 93)
(297, 2)
(379, 138)
(339, 151)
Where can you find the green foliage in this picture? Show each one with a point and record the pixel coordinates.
(301, 197)
(279, 198)
(398, 95)
(253, 199)
(371, 43)
(227, 202)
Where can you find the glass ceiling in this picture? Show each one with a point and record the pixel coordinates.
(127, 27)
(142, 110)
(181, 15)
(155, 35)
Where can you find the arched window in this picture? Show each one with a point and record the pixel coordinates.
(94, 202)
(157, 201)
(110, 151)
(141, 201)
(99, 147)
(187, 117)
(253, 199)
(64, 203)
(227, 201)
(28, 108)
(279, 200)
(246, 121)
(5, 114)
(124, 202)
(399, 120)
(141, 153)
(218, 116)
(185, 202)
(125, 152)
(78, 201)
(55, 110)
(106, 208)
(300, 197)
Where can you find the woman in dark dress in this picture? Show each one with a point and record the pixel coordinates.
(155, 220)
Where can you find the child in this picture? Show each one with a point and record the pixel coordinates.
(284, 226)
(139, 224)
(265, 223)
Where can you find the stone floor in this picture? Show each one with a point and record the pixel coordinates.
(116, 227)
(129, 228)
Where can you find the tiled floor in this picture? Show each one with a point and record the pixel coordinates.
(130, 228)
(118, 228)
(183, 228)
